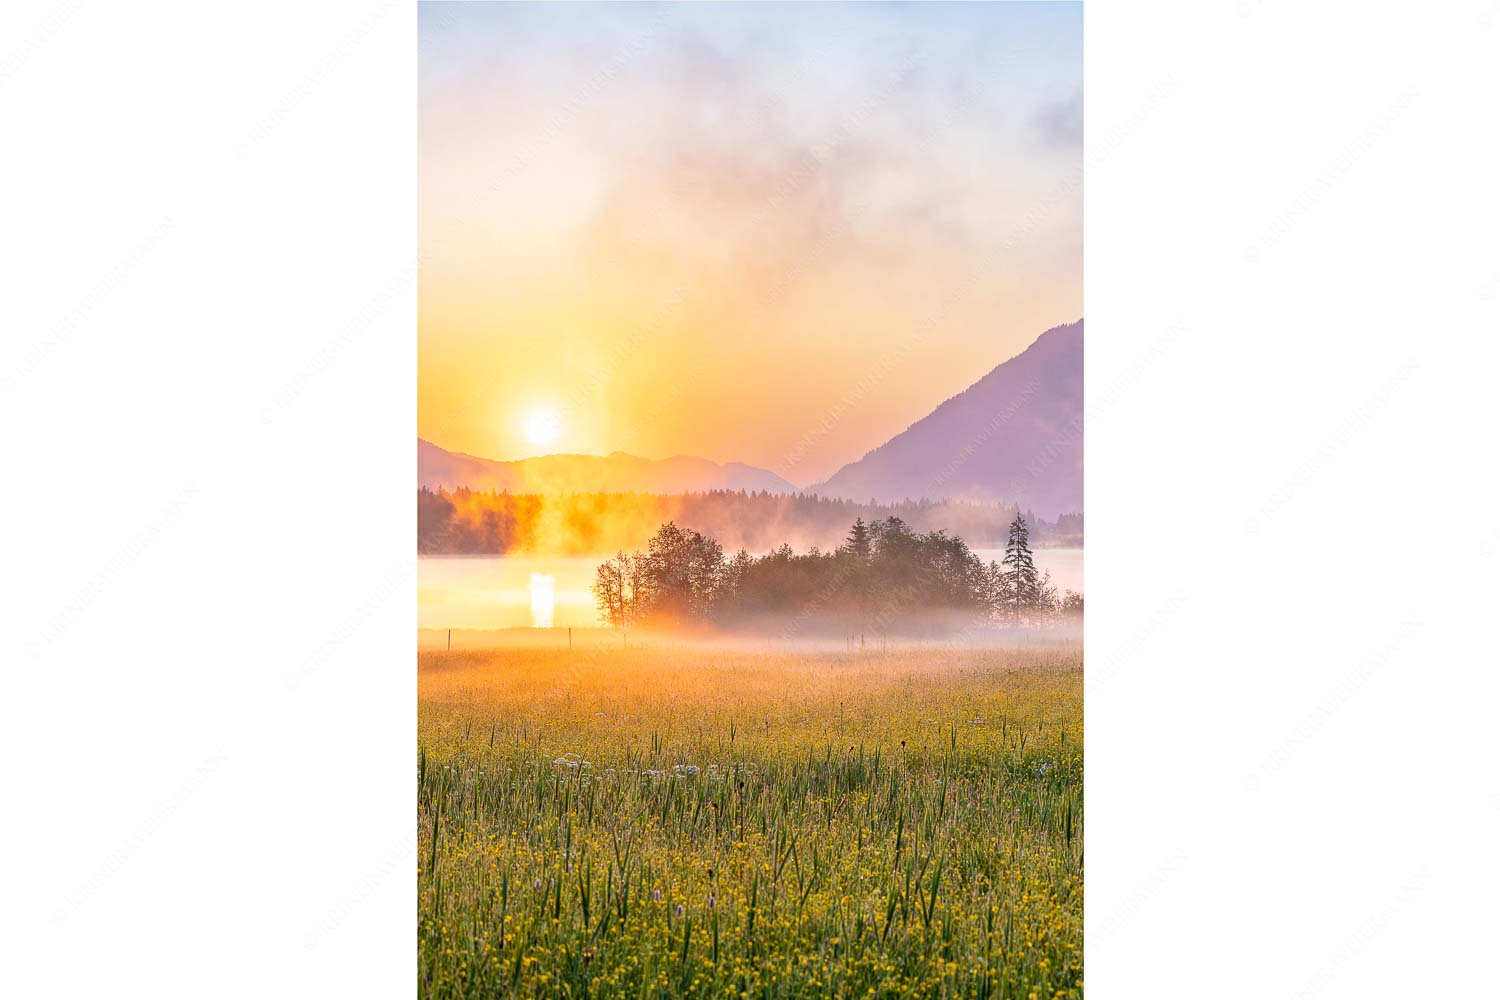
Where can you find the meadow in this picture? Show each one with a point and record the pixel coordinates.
(701, 821)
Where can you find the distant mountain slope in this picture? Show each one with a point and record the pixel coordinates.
(1015, 436)
(613, 473)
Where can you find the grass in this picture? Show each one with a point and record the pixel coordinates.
(695, 822)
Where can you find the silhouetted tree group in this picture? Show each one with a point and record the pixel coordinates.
(885, 577)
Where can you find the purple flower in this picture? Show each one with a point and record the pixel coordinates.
(679, 909)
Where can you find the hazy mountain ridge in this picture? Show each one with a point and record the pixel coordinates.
(1014, 436)
(616, 472)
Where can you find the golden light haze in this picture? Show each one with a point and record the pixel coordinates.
(775, 235)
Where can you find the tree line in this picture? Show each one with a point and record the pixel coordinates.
(884, 578)
(473, 522)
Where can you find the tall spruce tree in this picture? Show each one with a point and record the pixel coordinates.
(1018, 581)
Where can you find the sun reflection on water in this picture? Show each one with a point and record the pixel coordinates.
(542, 589)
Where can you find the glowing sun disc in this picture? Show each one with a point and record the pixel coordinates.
(542, 427)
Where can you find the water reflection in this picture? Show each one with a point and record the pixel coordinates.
(541, 600)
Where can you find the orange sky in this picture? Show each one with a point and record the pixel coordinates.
(775, 235)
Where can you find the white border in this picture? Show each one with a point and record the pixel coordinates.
(1291, 288)
(209, 268)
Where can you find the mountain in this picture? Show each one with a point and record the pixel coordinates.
(1016, 435)
(613, 473)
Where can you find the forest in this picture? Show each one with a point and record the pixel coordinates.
(468, 522)
(884, 578)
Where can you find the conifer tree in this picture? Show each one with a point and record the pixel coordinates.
(1018, 580)
(859, 539)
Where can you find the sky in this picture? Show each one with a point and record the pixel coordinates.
(773, 234)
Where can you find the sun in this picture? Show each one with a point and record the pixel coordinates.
(542, 427)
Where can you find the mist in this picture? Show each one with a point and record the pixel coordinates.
(467, 522)
(1067, 636)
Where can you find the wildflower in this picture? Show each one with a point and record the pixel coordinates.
(656, 895)
(679, 909)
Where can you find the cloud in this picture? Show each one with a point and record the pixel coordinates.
(733, 184)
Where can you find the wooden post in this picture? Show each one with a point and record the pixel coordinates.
(570, 638)
(450, 640)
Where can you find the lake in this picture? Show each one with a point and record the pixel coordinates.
(485, 592)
